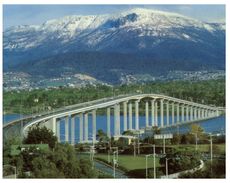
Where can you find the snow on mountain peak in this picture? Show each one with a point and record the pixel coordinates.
(147, 22)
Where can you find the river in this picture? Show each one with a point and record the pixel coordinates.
(216, 125)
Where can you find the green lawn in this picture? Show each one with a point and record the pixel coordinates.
(129, 162)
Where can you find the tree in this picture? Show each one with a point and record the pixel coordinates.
(128, 132)
(176, 139)
(180, 161)
(42, 135)
(217, 167)
(101, 136)
(43, 168)
(156, 130)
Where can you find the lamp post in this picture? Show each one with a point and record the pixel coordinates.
(134, 148)
(166, 167)
(115, 162)
(146, 165)
(154, 159)
(15, 169)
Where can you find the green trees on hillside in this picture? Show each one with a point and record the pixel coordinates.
(211, 92)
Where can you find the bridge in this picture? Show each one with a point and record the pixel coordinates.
(160, 110)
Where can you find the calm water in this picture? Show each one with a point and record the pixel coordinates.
(211, 125)
(10, 117)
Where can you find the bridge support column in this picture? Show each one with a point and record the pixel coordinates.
(152, 112)
(202, 113)
(187, 112)
(117, 119)
(199, 113)
(173, 120)
(178, 113)
(195, 113)
(182, 113)
(73, 129)
(54, 121)
(156, 114)
(130, 117)
(67, 129)
(58, 130)
(81, 127)
(125, 115)
(108, 122)
(50, 124)
(206, 113)
(191, 113)
(162, 112)
(217, 113)
(167, 113)
(213, 113)
(94, 121)
(86, 127)
(136, 115)
(146, 114)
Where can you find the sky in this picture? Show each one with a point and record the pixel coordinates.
(37, 14)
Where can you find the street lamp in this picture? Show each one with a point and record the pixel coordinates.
(154, 158)
(115, 162)
(15, 169)
(146, 165)
(166, 166)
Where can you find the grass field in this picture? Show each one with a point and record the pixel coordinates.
(129, 162)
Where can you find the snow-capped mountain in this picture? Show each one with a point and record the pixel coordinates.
(92, 30)
(160, 36)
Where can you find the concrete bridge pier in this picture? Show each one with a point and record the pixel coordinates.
(94, 121)
(191, 113)
(178, 113)
(199, 113)
(202, 114)
(182, 113)
(130, 116)
(67, 129)
(187, 113)
(108, 122)
(58, 129)
(137, 115)
(86, 127)
(73, 129)
(125, 115)
(117, 119)
(195, 113)
(81, 127)
(156, 113)
(167, 113)
(146, 114)
(152, 112)
(162, 112)
(173, 110)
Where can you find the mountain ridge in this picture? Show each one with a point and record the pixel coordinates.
(152, 37)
